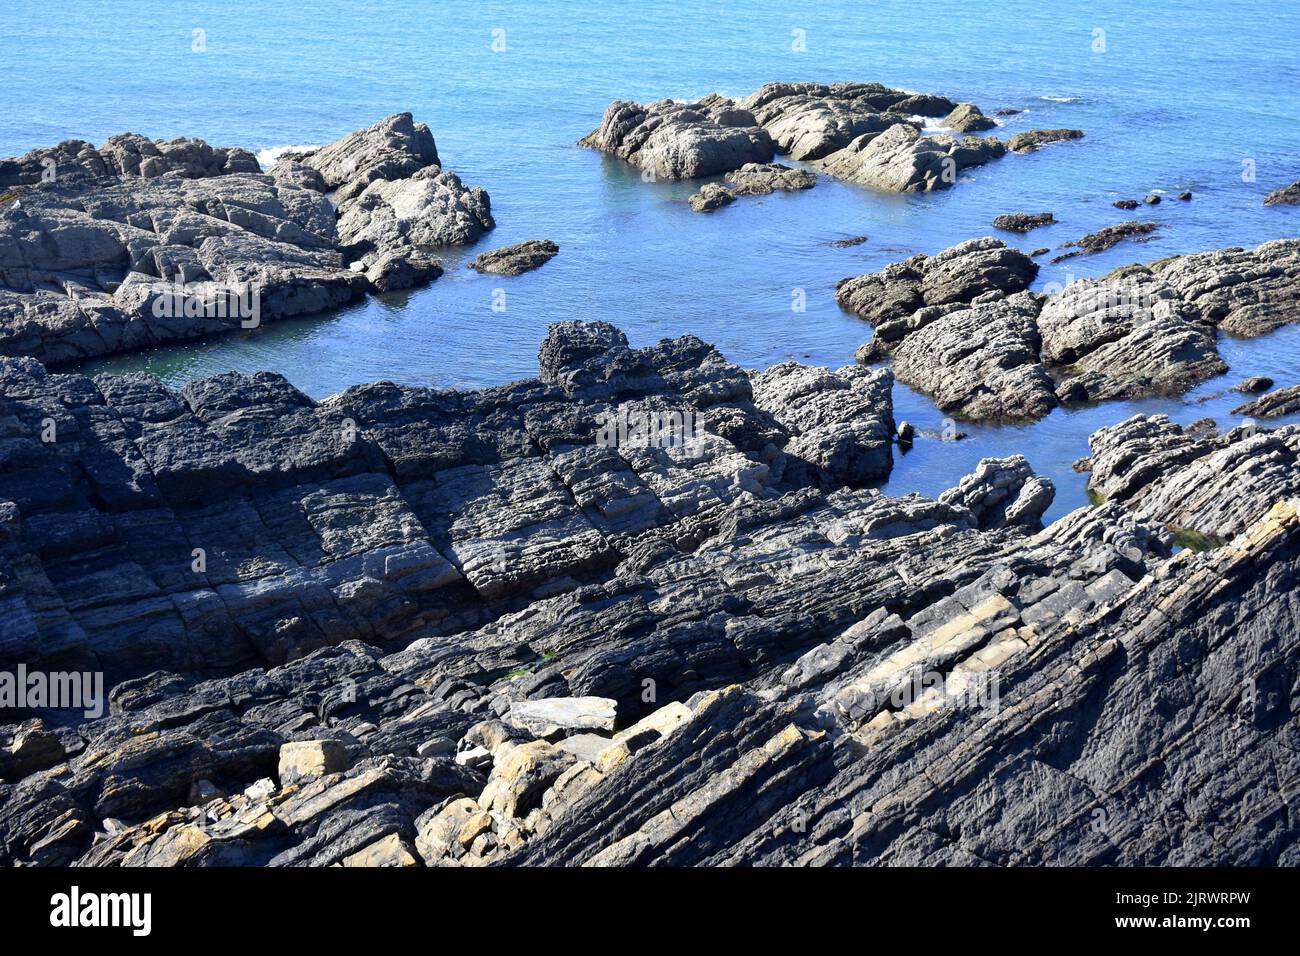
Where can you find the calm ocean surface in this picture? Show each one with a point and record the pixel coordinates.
(1182, 95)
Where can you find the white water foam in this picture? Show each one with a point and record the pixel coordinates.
(268, 156)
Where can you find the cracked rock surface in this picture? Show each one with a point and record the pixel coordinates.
(139, 243)
(551, 623)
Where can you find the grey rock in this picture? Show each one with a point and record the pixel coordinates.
(902, 160)
(674, 140)
(711, 197)
(760, 179)
(968, 118)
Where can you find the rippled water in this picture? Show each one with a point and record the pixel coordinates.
(1182, 94)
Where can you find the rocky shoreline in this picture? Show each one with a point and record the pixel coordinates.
(503, 627)
(94, 241)
(647, 607)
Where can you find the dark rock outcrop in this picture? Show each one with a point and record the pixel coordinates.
(962, 330)
(503, 627)
(1023, 221)
(1286, 196)
(1036, 139)
(862, 133)
(1107, 238)
(1285, 401)
(517, 259)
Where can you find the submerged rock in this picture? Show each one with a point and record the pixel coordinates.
(1038, 138)
(1023, 221)
(759, 179)
(1104, 239)
(711, 197)
(517, 259)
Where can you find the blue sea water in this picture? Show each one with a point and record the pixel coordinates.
(1172, 95)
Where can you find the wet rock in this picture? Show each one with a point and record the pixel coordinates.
(1285, 401)
(517, 259)
(1285, 196)
(1125, 204)
(849, 242)
(1023, 222)
(1185, 195)
(1152, 200)
(674, 140)
(711, 197)
(1036, 139)
(759, 179)
(1255, 384)
(1104, 239)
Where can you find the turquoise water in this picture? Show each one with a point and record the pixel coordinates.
(1181, 96)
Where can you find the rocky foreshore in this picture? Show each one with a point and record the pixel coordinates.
(142, 242)
(642, 609)
(862, 133)
(962, 327)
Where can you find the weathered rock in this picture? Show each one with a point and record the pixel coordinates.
(145, 243)
(1104, 239)
(395, 148)
(1286, 196)
(967, 118)
(950, 279)
(517, 259)
(1152, 200)
(1255, 384)
(902, 160)
(1285, 401)
(549, 716)
(125, 155)
(711, 197)
(1213, 486)
(980, 362)
(810, 121)
(1038, 138)
(304, 759)
(1023, 221)
(674, 140)
(759, 179)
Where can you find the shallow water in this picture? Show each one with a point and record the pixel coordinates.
(1183, 94)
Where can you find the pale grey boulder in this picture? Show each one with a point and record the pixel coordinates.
(902, 160)
(674, 140)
